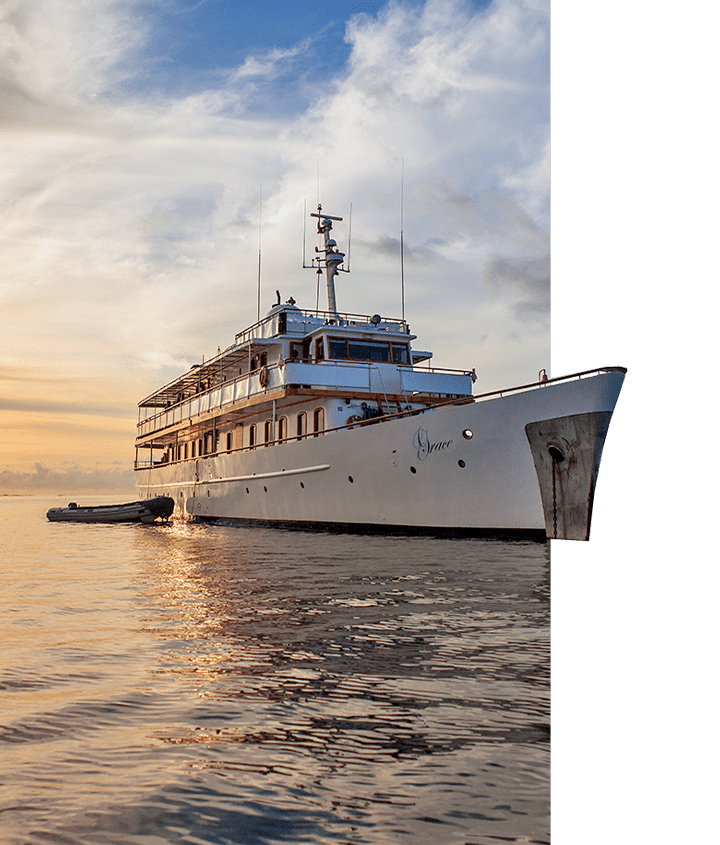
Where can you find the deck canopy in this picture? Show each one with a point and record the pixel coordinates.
(201, 377)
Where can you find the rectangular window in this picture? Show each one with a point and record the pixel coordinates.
(301, 425)
(282, 429)
(228, 442)
(337, 347)
(239, 436)
(268, 432)
(300, 351)
(368, 351)
(319, 350)
(400, 354)
(253, 431)
(318, 421)
(341, 348)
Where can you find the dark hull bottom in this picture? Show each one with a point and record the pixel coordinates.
(537, 535)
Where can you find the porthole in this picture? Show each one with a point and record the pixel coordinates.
(265, 489)
(247, 489)
(302, 485)
(467, 434)
(350, 479)
(413, 470)
(461, 464)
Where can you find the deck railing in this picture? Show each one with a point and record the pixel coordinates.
(307, 318)
(343, 375)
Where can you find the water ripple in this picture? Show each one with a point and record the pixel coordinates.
(209, 684)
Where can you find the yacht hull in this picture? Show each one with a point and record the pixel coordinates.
(462, 468)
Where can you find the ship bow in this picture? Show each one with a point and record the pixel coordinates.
(567, 451)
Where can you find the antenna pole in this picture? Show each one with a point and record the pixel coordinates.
(304, 228)
(349, 237)
(259, 255)
(402, 241)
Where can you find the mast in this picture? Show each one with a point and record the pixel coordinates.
(329, 257)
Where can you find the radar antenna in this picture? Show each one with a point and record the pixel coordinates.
(328, 257)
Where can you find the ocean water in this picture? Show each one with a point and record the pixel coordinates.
(191, 683)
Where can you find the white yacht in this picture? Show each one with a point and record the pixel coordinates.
(321, 418)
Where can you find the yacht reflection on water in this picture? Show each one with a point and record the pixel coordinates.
(408, 655)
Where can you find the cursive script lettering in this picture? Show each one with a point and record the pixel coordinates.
(425, 447)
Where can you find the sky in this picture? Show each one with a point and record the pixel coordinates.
(150, 149)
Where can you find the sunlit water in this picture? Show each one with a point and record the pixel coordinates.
(213, 684)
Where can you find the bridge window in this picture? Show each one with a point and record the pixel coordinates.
(400, 353)
(337, 347)
(300, 351)
(380, 351)
(368, 351)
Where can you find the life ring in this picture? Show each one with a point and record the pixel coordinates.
(353, 418)
(264, 377)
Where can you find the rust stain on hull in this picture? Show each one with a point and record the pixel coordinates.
(567, 451)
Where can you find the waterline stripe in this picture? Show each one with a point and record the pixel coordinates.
(280, 474)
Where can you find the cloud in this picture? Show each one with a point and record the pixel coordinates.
(59, 407)
(270, 64)
(72, 480)
(130, 218)
(58, 55)
(530, 277)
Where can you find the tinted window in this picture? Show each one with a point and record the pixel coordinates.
(368, 351)
(337, 348)
(400, 353)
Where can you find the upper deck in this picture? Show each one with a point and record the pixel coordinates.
(284, 322)
(292, 349)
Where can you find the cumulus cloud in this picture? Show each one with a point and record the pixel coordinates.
(131, 221)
